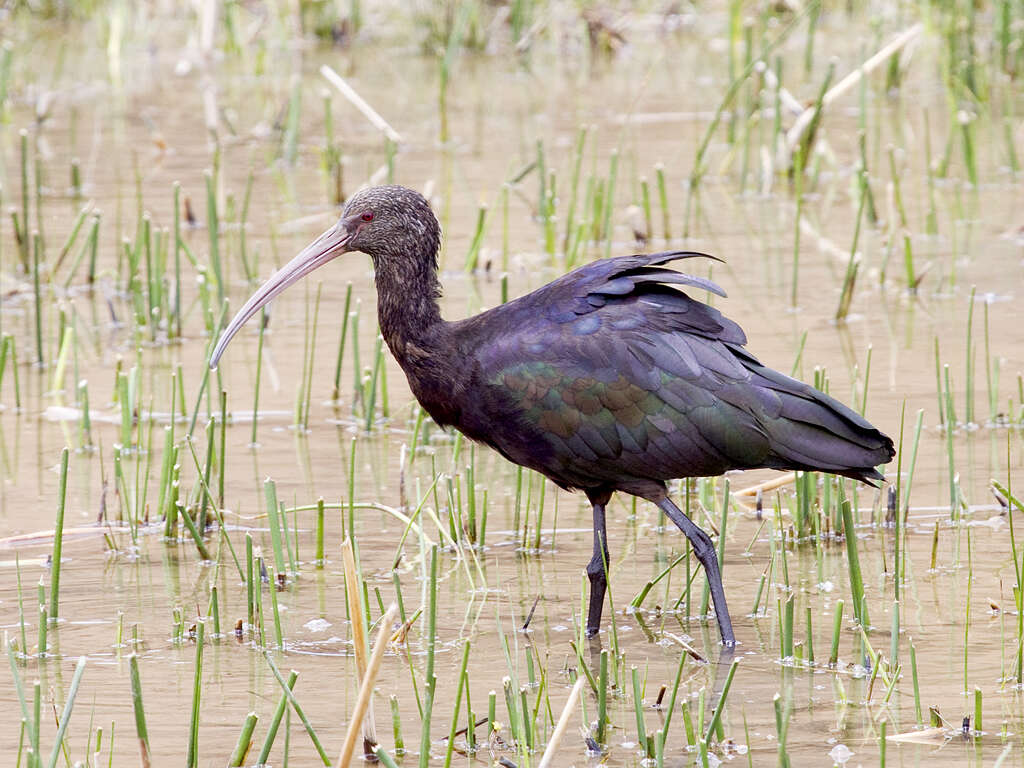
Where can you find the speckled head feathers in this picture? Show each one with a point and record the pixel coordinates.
(390, 222)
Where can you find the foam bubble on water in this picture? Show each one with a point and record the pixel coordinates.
(317, 625)
(840, 753)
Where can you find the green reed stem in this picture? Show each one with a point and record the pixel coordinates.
(192, 757)
(205, 376)
(241, 749)
(70, 241)
(734, 87)
(954, 497)
(319, 557)
(917, 689)
(205, 499)
(856, 581)
(429, 677)
(176, 235)
(19, 690)
(666, 214)
(809, 653)
(602, 700)
(370, 400)
(609, 202)
(638, 707)
(259, 372)
(967, 135)
(213, 229)
(462, 684)
(275, 609)
(570, 216)
(341, 341)
(250, 583)
(58, 536)
(194, 532)
(645, 207)
(357, 368)
(43, 619)
(275, 721)
(352, 490)
(308, 377)
(274, 520)
(473, 255)
(23, 145)
(782, 730)
(786, 628)
(716, 716)
(803, 150)
(65, 718)
(396, 723)
(140, 712)
(286, 692)
(853, 264)
(640, 596)
(798, 194)
(385, 759)
(37, 256)
(908, 251)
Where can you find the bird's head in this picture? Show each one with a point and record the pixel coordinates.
(390, 222)
(394, 225)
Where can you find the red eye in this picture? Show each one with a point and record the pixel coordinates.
(367, 217)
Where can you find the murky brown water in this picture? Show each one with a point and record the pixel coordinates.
(652, 103)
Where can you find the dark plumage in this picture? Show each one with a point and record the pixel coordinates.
(610, 378)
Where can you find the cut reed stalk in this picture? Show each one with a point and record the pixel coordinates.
(244, 742)
(366, 688)
(358, 617)
(850, 533)
(837, 628)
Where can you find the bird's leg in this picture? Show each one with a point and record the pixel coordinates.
(597, 568)
(705, 552)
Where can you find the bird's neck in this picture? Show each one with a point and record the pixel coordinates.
(410, 322)
(407, 306)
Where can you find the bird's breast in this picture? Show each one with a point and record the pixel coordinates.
(434, 389)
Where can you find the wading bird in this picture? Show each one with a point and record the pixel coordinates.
(609, 378)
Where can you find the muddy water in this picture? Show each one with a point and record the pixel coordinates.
(143, 129)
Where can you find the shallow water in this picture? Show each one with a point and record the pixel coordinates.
(136, 122)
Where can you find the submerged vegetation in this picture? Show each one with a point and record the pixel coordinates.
(234, 565)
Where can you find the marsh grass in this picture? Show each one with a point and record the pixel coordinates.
(138, 273)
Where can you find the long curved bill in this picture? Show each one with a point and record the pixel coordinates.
(330, 244)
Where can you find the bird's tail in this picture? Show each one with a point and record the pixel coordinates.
(813, 431)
